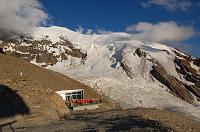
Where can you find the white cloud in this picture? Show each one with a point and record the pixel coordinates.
(89, 32)
(80, 29)
(20, 16)
(92, 32)
(161, 32)
(171, 5)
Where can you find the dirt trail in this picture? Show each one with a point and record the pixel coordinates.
(135, 120)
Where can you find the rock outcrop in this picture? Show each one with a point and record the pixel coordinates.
(126, 69)
(140, 53)
(197, 62)
(176, 86)
(43, 51)
(189, 73)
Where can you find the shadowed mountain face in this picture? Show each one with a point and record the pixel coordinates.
(11, 103)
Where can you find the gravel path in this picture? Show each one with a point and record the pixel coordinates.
(145, 120)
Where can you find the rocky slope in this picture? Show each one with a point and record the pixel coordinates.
(131, 72)
(27, 91)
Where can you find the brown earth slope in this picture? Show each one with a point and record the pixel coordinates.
(29, 91)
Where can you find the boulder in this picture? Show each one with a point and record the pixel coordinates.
(55, 107)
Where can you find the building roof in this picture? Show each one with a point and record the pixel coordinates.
(69, 91)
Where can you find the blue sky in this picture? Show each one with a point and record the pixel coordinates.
(117, 15)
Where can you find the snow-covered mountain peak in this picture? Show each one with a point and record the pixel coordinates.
(54, 33)
(127, 70)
